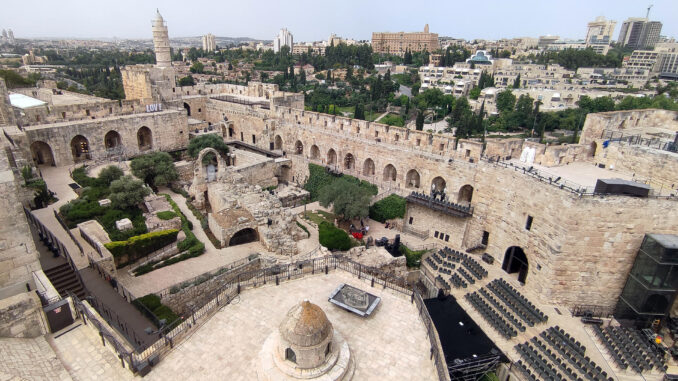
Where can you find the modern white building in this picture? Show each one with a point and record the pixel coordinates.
(599, 34)
(283, 38)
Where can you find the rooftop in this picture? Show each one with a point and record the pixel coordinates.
(24, 101)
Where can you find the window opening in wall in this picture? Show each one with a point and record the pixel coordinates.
(254, 139)
(87, 112)
(410, 222)
(442, 146)
(110, 110)
(357, 130)
(376, 134)
(436, 234)
(528, 224)
(468, 152)
(63, 115)
(199, 110)
(418, 142)
(486, 238)
(447, 237)
(397, 137)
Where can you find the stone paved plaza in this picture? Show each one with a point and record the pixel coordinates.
(30, 359)
(389, 345)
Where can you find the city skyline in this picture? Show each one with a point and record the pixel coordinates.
(352, 20)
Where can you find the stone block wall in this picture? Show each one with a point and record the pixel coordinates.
(168, 132)
(596, 124)
(193, 296)
(431, 221)
(21, 316)
(136, 81)
(658, 167)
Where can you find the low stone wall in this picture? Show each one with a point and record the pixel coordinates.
(182, 301)
(21, 316)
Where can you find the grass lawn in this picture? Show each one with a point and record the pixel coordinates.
(370, 116)
(393, 120)
(318, 216)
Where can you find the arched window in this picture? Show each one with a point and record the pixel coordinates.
(290, 355)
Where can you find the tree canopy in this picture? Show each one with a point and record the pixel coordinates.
(348, 199)
(206, 141)
(156, 169)
(127, 192)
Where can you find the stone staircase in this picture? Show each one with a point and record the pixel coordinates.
(63, 278)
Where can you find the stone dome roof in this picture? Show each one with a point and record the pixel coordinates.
(305, 325)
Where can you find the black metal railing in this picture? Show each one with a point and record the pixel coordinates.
(445, 207)
(639, 140)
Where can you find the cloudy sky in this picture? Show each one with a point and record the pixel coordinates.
(315, 20)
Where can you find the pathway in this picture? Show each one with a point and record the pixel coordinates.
(381, 116)
(212, 259)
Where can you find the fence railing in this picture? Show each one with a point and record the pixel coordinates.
(88, 317)
(63, 225)
(638, 140)
(207, 276)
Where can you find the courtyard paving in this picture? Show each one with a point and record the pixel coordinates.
(390, 345)
(30, 359)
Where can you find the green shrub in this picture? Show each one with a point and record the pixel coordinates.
(388, 208)
(110, 216)
(80, 210)
(332, 237)
(80, 176)
(150, 305)
(206, 141)
(142, 245)
(166, 215)
(109, 174)
(413, 257)
(308, 234)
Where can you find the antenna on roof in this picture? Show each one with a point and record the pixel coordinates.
(647, 16)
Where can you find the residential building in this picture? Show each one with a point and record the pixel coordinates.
(639, 33)
(545, 41)
(642, 59)
(667, 65)
(398, 43)
(284, 38)
(599, 34)
(208, 43)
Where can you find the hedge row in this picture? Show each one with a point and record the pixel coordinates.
(191, 246)
(141, 245)
(388, 208)
(153, 305)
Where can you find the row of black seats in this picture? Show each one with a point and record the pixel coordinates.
(517, 302)
(507, 314)
(563, 365)
(440, 280)
(457, 282)
(627, 348)
(474, 267)
(527, 373)
(537, 362)
(492, 317)
(571, 350)
(467, 276)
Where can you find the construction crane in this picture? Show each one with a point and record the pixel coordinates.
(647, 16)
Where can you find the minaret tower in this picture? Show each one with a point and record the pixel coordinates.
(161, 42)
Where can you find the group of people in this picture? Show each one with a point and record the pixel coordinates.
(359, 233)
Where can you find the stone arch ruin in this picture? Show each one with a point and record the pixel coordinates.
(278, 143)
(349, 161)
(412, 179)
(368, 167)
(80, 149)
(390, 173)
(315, 152)
(112, 140)
(42, 153)
(465, 193)
(299, 147)
(145, 138)
(331, 157)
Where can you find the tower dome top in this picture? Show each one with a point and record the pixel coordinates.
(305, 325)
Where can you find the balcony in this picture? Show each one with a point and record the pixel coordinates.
(446, 207)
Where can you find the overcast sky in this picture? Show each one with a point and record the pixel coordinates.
(315, 20)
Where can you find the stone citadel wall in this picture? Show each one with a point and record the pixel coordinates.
(656, 167)
(168, 132)
(596, 124)
(577, 246)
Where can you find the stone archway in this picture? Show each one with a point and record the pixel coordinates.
(243, 236)
(465, 193)
(349, 161)
(315, 152)
(112, 140)
(412, 179)
(200, 171)
(145, 138)
(299, 147)
(42, 153)
(331, 157)
(368, 167)
(438, 184)
(278, 143)
(515, 261)
(80, 149)
(188, 109)
(390, 173)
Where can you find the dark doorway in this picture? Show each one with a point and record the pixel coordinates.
(243, 236)
(58, 315)
(188, 109)
(515, 261)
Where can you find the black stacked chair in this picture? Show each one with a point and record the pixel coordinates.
(492, 317)
(517, 302)
(630, 349)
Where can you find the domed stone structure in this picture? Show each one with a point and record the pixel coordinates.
(306, 346)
